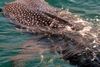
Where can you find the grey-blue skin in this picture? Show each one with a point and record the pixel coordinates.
(37, 16)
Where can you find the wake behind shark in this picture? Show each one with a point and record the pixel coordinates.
(38, 16)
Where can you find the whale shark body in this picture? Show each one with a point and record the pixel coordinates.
(81, 41)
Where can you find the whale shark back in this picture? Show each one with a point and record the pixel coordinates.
(37, 14)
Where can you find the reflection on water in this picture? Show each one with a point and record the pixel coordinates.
(15, 44)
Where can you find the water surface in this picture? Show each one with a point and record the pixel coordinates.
(11, 40)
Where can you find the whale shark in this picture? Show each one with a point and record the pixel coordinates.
(82, 41)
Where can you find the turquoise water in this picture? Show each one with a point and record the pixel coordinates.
(11, 40)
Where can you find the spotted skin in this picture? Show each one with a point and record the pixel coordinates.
(27, 17)
(32, 15)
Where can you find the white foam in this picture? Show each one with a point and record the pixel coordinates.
(85, 30)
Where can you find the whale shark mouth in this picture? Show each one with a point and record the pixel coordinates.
(37, 16)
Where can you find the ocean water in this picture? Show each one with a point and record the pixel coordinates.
(11, 40)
